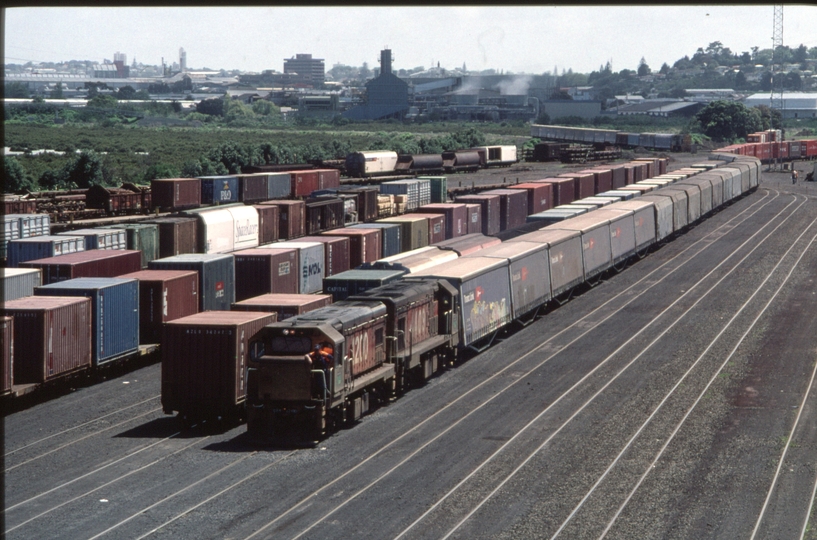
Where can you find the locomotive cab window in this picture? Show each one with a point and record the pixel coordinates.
(401, 333)
(378, 337)
(256, 349)
(291, 345)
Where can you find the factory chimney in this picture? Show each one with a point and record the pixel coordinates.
(385, 61)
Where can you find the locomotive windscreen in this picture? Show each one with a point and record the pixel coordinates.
(291, 345)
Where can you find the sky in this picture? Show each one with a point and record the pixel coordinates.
(529, 39)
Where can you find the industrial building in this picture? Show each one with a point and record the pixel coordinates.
(387, 96)
(795, 104)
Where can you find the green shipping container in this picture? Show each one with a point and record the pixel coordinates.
(439, 188)
(143, 237)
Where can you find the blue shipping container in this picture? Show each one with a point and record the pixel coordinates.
(115, 313)
(219, 189)
(279, 185)
(216, 277)
(41, 247)
(390, 237)
(100, 238)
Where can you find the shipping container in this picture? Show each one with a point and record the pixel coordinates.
(20, 282)
(268, 221)
(598, 202)
(439, 187)
(31, 224)
(95, 263)
(474, 218)
(219, 189)
(413, 230)
(584, 184)
(644, 220)
(436, 228)
(284, 306)
(365, 244)
(717, 188)
(226, 228)
(328, 178)
(100, 238)
(564, 190)
(311, 262)
(11, 231)
(141, 237)
(18, 206)
(417, 191)
(204, 362)
(390, 239)
(366, 201)
(336, 250)
(416, 259)
(705, 193)
(468, 244)
(602, 179)
(292, 218)
(177, 235)
(164, 295)
(352, 282)
(484, 294)
(513, 208)
(216, 277)
(617, 195)
(265, 270)
(7, 350)
(596, 239)
(680, 206)
(548, 217)
(52, 336)
(529, 273)
(540, 196)
(41, 247)
(641, 189)
(622, 232)
(324, 214)
(490, 209)
(304, 182)
(455, 217)
(114, 309)
(253, 188)
(619, 177)
(279, 185)
(168, 194)
(566, 261)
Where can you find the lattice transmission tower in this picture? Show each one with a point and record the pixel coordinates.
(776, 97)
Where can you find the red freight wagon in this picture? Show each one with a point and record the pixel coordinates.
(455, 217)
(284, 305)
(175, 193)
(177, 235)
(811, 148)
(91, 263)
(113, 200)
(304, 182)
(328, 178)
(268, 221)
(563, 190)
(474, 219)
(364, 244)
(252, 188)
(52, 336)
(490, 211)
(7, 350)
(204, 360)
(780, 150)
(583, 184)
(19, 206)
(540, 196)
(794, 149)
(266, 270)
(164, 295)
(602, 179)
(335, 254)
(292, 216)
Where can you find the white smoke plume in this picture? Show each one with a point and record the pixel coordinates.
(515, 87)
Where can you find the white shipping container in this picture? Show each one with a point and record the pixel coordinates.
(311, 258)
(245, 226)
(216, 233)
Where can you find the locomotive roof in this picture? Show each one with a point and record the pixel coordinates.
(398, 292)
(341, 315)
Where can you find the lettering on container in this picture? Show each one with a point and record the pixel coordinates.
(313, 269)
(219, 289)
(283, 268)
(556, 258)
(164, 301)
(589, 244)
(615, 233)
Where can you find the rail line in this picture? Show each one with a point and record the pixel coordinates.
(745, 213)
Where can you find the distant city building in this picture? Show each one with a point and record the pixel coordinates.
(120, 60)
(386, 95)
(182, 60)
(309, 71)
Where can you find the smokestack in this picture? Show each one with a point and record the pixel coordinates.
(385, 61)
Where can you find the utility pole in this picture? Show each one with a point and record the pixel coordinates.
(776, 97)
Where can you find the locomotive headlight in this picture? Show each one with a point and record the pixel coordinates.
(286, 332)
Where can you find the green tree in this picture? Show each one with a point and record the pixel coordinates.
(766, 81)
(56, 93)
(643, 68)
(664, 69)
(86, 170)
(102, 101)
(141, 94)
(126, 92)
(212, 107)
(17, 90)
(16, 180)
(740, 80)
(793, 81)
(234, 110)
(160, 170)
(770, 118)
(728, 120)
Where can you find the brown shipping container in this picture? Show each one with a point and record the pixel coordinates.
(490, 211)
(436, 228)
(267, 223)
(291, 215)
(629, 173)
(91, 263)
(456, 223)
(364, 244)
(474, 218)
(164, 295)
(175, 193)
(284, 306)
(177, 235)
(619, 176)
(7, 350)
(662, 165)
(204, 357)
(584, 184)
(328, 178)
(52, 336)
(513, 207)
(252, 188)
(266, 270)
(336, 252)
(563, 190)
(304, 183)
(540, 196)
(602, 178)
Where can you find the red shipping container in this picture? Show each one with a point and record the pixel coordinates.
(602, 179)
(513, 207)
(266, 270)
(663, 163)
(268, 221)
(336, 253)
(252, 188)
(328, 178)
(474, 218)
(164, 295)
(583, 184)
(619, 176)
(780, 150)
(540, 196)
(91, 263)
(490, 211)
(292, 218)
(204, 359)
(436, 228)
(175, 193)
(7, 350)
(177, 235)
(455, 217)
(365, 245)
(563, 190)
(629, 173)
(304, 183)
(52, 336)
(284, 306)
